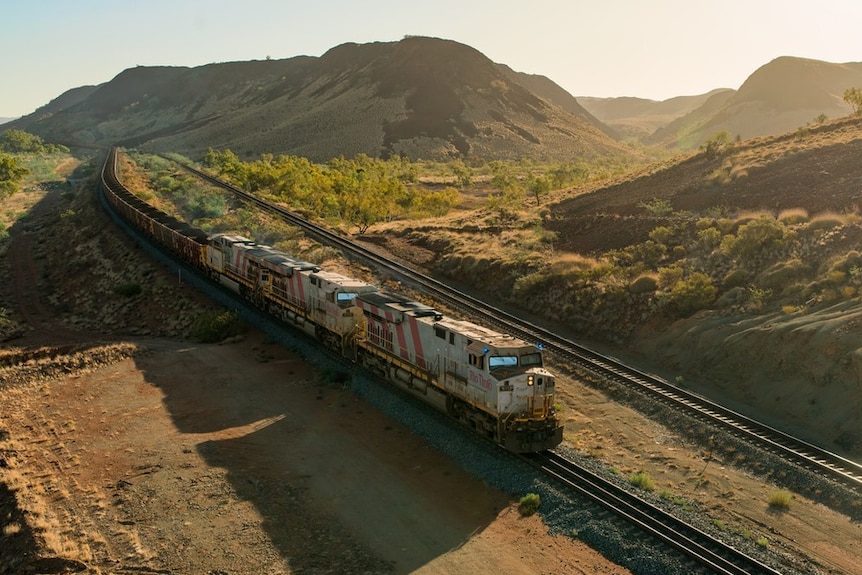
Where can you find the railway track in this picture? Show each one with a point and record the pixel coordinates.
(702, 549)
(791, 449)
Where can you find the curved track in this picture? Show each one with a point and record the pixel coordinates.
(792, 449)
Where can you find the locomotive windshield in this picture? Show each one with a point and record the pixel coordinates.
(344, 299)
(496, 361)
(503, 361)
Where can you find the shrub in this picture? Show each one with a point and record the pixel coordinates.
(717, 145)
(529, 504)
(669, 276)
(780, 499)
(753, 237)
(782, 274)
(736, 278)
(661, 235)
(709, 238)
(5, 320)
(849, 263)
(530, 284)
(644, 284)
(657, 207)
(642, 480)
(648, 252)
(757, 296)
(693, 293)
(826, 221)
(853, 96)
(215, 326)
(128, 289)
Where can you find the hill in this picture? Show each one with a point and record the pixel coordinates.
(552, 92)
(419, 97)
(640, 117)
(781, 96)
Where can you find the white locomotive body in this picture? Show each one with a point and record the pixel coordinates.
(490, 381)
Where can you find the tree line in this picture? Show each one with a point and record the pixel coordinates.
(359, 192)
(12, 171)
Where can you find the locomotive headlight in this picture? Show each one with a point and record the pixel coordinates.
(529, 380)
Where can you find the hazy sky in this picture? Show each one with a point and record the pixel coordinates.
(648, 48)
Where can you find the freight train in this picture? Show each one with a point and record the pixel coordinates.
(491, 382)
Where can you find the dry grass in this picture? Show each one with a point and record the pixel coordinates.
(36, 489)
(571, 261)
(780, 499)
(16, 206)
(750, 215)
(826, 221)
(793, 216)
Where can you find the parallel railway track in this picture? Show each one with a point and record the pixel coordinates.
(789, 448)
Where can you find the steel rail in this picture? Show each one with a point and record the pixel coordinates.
(703, 548)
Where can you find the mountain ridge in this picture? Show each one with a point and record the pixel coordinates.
(425, 98)
(418, 97)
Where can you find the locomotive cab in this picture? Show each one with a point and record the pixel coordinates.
(523, 391)
(333, 308)
(524, 387)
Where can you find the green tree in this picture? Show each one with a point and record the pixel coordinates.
(501, 177)
(717, 144)
(853, 96)
(539, 185)
(463, 173)
(21, 142)
(657, 206)
(226, 163)
(567, 174)
(436, 203)
(11, 173)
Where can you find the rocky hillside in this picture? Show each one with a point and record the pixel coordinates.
(420, 97)
(781, 96)
(553, 93)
